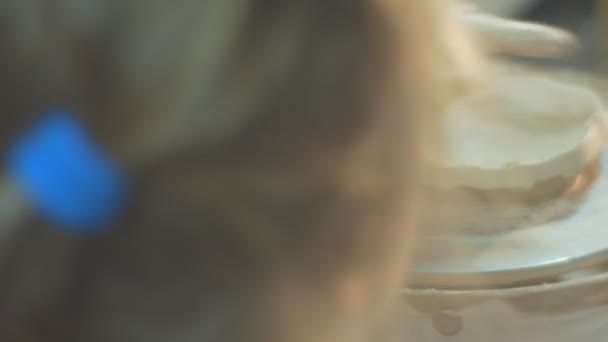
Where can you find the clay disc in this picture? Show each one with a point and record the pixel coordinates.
(516, 133)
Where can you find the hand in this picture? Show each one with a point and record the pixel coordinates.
(505, 36)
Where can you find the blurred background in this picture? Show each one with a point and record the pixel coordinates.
(585, 18)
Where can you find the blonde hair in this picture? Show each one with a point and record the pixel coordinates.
(273, 148)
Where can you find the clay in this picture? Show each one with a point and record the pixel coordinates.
(472, 211)
(569, 303)
(518, 132)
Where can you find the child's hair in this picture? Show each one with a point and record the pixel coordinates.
(272, 149)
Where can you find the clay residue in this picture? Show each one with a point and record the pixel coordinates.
(543, 299)
(466, 210)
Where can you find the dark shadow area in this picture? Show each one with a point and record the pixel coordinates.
(578, 16)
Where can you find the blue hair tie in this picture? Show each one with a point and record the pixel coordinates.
(68, 180)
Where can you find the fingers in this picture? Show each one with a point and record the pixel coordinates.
(517, 38)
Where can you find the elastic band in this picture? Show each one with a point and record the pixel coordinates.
(67, 178)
